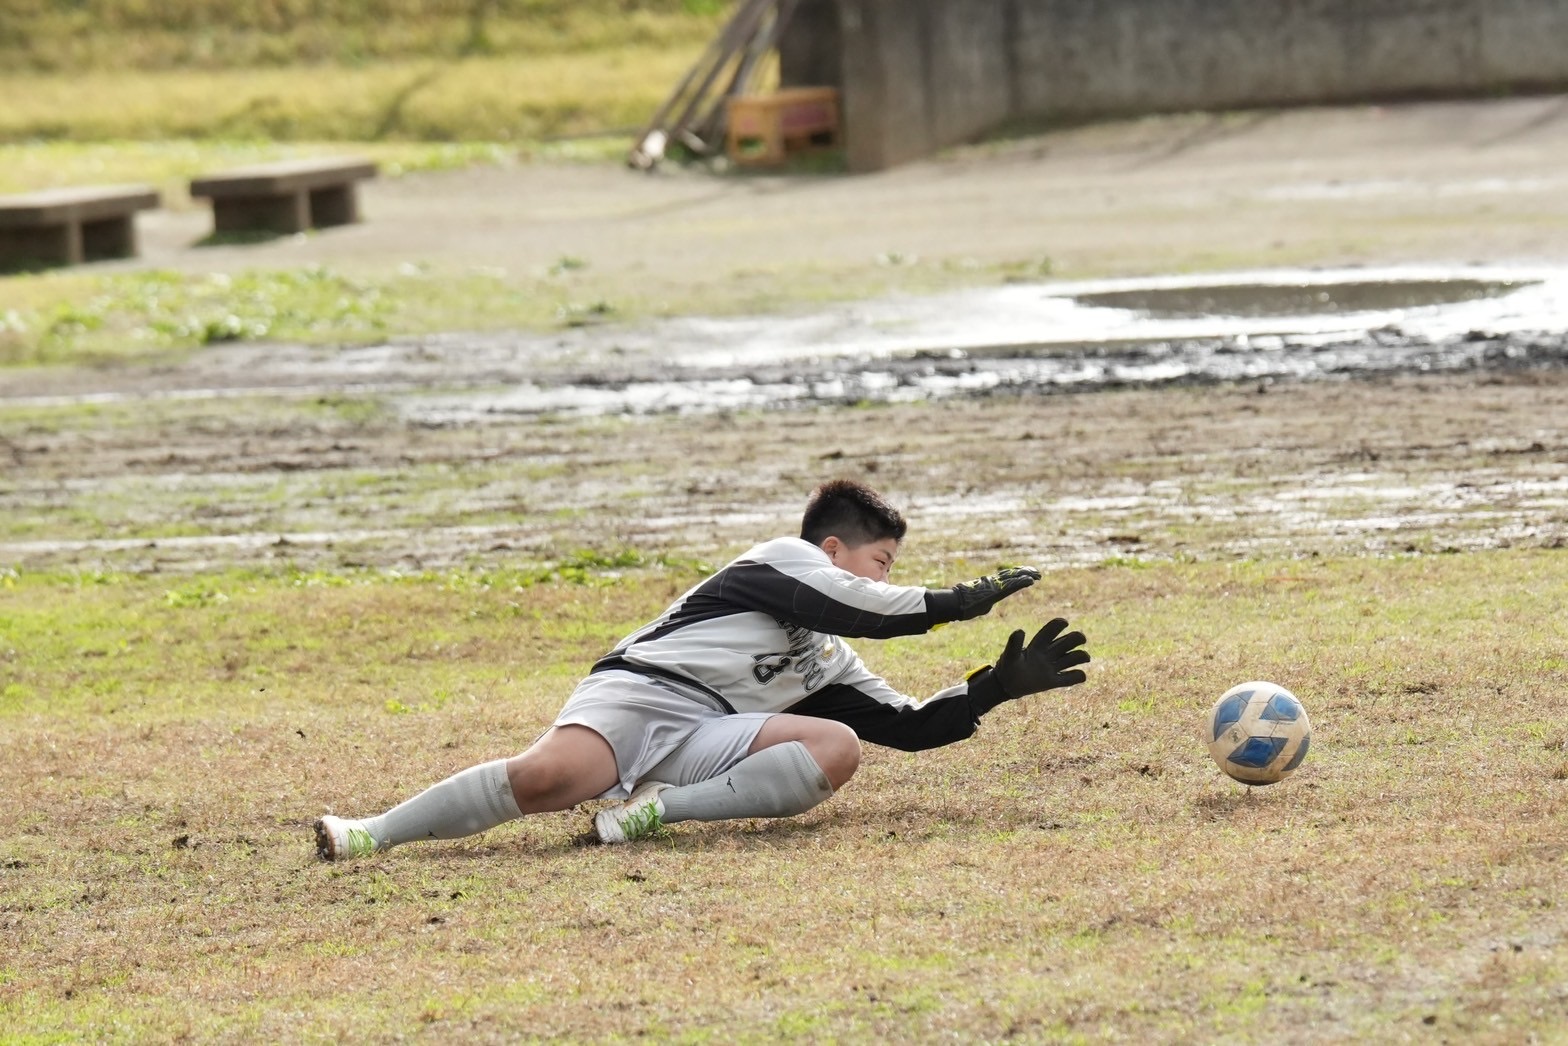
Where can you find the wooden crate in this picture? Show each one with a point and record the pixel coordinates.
(763, 129)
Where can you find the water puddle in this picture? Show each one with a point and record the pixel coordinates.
(1422, 304)
(1297, 299)
(1049, 338)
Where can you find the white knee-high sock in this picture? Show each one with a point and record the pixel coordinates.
(780, 781)
(466, 803)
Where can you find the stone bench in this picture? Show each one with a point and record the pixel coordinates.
(289, 196)
(71, 226)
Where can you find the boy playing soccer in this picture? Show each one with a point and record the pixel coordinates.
(741, 700)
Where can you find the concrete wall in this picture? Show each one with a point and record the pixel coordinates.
(919, 75)
(811, 49)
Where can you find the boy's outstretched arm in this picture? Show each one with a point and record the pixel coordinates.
(792, 581)
(971, 599)
(881, 715)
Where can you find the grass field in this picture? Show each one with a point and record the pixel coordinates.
(1079, 871)
(221, 616)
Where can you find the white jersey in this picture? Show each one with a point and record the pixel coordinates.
(764, 634)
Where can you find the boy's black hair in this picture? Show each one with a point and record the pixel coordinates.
(851, 512)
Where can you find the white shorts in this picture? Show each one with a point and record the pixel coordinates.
(657, 732)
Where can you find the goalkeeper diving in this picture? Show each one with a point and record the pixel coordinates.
(743, 699)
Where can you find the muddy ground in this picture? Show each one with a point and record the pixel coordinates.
(1396, 464)
(312, 457)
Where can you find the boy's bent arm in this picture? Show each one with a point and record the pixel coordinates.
(947, 717)
(877, 713)
(864, 702)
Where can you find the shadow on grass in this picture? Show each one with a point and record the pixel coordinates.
(1217, 806)
(241, 238)
(30, 267)
(496, 846)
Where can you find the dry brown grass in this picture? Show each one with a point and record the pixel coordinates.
(1079, 869)
(474, 99)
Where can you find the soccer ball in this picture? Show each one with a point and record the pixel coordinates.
(1258, 733)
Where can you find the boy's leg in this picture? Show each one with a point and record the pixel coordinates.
(833, 746)
(792, 764)
(566, 766)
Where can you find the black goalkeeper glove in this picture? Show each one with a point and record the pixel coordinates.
(1049, 660)
(977, 597)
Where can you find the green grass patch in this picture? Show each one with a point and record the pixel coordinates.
(59, 318)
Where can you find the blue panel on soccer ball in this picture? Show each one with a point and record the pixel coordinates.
(1282, 708)
(1258, 752)
(1301, 753)
(1229, 711)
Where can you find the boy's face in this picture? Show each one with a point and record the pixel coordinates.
(872, 560)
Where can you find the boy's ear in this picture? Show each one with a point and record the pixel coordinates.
(831, 544)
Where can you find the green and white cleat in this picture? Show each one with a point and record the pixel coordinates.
(340, 839)
(640, 817)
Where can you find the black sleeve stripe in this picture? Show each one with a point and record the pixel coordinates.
(765, 588)
(942, 605)
(938, 722)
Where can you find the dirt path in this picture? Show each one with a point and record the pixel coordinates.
(1439, 182)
